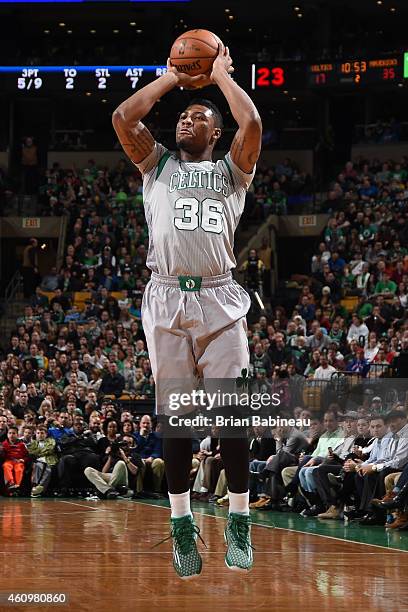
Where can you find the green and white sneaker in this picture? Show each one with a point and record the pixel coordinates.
(237, 536)
(186, 558)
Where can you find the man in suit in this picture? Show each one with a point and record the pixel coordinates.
(290, 442)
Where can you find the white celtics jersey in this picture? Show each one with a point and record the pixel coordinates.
(192, 211)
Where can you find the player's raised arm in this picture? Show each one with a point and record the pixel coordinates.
(133, 135)
(246, 146)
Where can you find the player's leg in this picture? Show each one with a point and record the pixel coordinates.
(177, 454)
(224, 357)
(173, 366)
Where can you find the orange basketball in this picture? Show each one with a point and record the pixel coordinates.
(194, 52)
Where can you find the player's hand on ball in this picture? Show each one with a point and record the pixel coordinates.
(222, 63)
(186, 81)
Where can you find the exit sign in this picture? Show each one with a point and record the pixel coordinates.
(31, 222)
(307, 221)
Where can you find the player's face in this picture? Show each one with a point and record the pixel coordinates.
(196, 129)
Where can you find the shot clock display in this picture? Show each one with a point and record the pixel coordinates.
(92, 79)
(286, 75)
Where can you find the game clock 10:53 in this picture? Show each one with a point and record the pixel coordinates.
(277, 76)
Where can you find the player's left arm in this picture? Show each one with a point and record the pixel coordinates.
(246, 146)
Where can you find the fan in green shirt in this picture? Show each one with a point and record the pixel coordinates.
(385, 286)
(364, 310)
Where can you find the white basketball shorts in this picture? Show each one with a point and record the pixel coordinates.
(194, 334)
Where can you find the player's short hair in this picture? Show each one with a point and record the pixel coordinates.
(208, 104)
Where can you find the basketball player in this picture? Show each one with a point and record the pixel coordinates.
(193, 312)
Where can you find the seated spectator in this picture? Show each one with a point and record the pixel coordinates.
(3, 428)
(113, 383)
(78, 451)
(317, 340)
(44, 453)
(358, 365)
(149, 445)
(14, 454)
(110, 430)
(290, 442)
(121, 461)
(50, 281)
(389, 454)
(386, 286)
(325, 370)
(357, 329)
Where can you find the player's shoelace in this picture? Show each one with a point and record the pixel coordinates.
(237, 535)
(186, 559)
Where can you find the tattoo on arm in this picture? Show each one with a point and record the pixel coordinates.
(137, 143)
(237, 148)
(243, 153)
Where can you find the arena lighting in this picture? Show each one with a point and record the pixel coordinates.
(230, 16)
(260, 302)
(296, 8)
(43, 246)
(61, 24)
(300, 15)
(132, 23)
(92, 31)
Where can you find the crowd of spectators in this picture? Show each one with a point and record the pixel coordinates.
(351, 465)
(380, 132)
(275, 189)
(74, 369)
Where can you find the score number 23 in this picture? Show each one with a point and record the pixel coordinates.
(270, 77)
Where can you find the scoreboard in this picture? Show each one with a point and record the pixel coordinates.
(349, 73)
(356, 72)
(89, 79)
(352, 73)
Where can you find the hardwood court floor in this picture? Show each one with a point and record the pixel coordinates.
(99, 554)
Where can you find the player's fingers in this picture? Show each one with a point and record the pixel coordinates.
(231, 69)
(198, 81)
(168, 64)
(221, 48)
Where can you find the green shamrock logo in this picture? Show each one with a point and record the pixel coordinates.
(243, 380)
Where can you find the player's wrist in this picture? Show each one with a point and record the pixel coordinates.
(219, 75)
(170, 77)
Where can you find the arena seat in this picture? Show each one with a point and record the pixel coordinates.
(350, 302)
(80, 297)
(48, 294)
